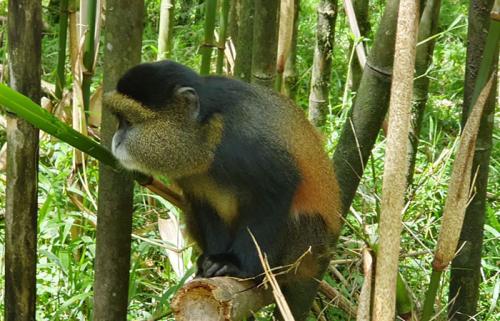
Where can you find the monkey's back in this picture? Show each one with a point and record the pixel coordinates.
(258, 120)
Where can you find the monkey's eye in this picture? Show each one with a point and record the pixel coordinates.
(122, 121)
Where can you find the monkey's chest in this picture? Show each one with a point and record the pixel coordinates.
(223, 200)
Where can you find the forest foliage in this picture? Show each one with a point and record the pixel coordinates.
(65, 270)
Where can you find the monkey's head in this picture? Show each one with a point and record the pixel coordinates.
(160, 130)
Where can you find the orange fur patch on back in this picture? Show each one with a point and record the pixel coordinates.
(318, 192)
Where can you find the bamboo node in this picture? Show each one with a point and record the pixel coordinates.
(439, 265)
(378, 70)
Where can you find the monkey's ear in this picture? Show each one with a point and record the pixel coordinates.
(189, 95)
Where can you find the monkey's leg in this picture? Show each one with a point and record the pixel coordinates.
(209, 232)
(311, 256)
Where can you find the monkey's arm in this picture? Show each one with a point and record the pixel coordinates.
(267, 219)
(207, 229)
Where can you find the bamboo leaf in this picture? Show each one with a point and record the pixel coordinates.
(39, 117)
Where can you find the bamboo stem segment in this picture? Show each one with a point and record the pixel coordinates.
(206, 48)
(224, 19)
(61, 56)
(396, 165)
(218, 299)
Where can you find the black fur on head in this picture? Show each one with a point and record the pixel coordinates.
(153, 84)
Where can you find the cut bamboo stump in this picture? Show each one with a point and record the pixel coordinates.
(218, 299)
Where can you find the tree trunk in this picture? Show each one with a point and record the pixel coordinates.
(465, 268)
(428, 27)
(366, 116)
(322, 64)
(361, 10)
(24, 31)
(395, 163)
(290, 76)
(243, 64)
(114, 219)
(265, 42)
(166, 28)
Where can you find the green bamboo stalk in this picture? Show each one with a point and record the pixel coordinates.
(265, 42)
(222, 36)
(243, 63)
(61, 57)
(430, 295)
(206, 48)
(368, 111)
(428, 28)
(88, 52)
(490, 52)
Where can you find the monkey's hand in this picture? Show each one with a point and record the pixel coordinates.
(223, 264)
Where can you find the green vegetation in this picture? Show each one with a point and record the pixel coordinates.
(65, 265)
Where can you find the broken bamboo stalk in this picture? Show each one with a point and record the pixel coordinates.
(219, 299)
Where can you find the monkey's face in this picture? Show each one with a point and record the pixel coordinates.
(167, 141)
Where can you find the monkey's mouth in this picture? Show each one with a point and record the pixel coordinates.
(119, 150)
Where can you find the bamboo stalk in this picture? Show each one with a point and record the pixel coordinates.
(430, 295)
(234, 20)
(218, 299)
(286, 28)
(61, 56)
(88, 52)
(24, 28)
(490, 52)
(265, 42)
(243, 63)
(290, 76)
(166, 28)
(457, 199)
(222, 36)
(365, 296)
(366, 115)
(396, 165)
(359, 11)
(427, 30)
(209, 44)
(466, 270)
(353, 24)
(322, 63)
